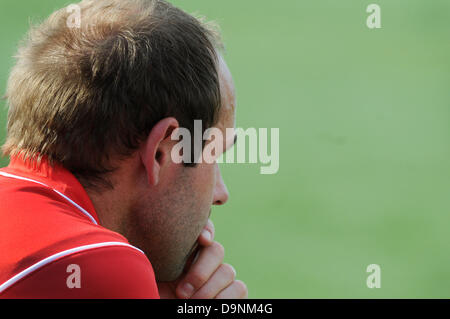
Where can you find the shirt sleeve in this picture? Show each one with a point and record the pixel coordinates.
(114, 272)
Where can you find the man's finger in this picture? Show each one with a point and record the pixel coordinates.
(206, 237)
(221, 279)
(209, 259)
(237, 290)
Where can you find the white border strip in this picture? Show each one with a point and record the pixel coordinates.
(57, 192)
(52, 258)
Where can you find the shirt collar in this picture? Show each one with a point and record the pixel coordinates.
(54, 176)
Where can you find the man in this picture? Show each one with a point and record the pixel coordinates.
(92, 204)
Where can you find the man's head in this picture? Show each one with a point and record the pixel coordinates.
(171, 202)
(83, 95)
(103, 100)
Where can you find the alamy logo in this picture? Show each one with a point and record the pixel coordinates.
(74, 19)
(374, 279)
(74, 279)
(257, 149)
(374, 19)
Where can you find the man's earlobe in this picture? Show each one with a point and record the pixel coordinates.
(155, 151)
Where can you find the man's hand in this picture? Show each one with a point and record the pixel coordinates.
(205, 275)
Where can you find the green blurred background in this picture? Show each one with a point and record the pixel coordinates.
(364, 118)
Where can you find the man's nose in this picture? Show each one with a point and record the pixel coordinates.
(221, 194)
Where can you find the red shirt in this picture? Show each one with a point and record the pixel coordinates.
(51, 243)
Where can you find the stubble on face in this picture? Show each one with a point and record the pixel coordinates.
(166, 224)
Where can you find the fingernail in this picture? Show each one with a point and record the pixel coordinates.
(187, 290)
(234, 270)
(207, 235)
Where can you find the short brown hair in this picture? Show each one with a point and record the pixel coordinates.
(81, 96)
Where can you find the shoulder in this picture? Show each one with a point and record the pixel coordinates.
(101, 270)
(45, 240)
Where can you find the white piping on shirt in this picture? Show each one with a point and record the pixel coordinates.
(54, 257)
(57, 192)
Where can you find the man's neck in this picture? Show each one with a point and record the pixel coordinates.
(113, 204)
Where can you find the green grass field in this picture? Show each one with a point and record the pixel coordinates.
(364, 118)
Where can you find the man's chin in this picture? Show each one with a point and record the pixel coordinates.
(172, 273)
(166, 276)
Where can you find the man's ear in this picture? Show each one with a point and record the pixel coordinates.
(155, 152)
